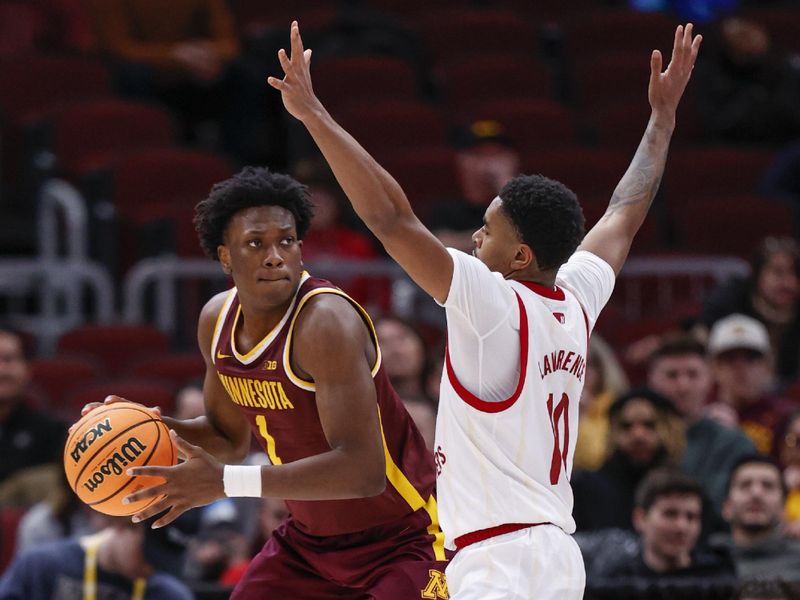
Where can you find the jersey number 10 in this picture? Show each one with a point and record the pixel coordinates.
(559, 412)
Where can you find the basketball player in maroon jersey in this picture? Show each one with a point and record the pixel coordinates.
(296, 361)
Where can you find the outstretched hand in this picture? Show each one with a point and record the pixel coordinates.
(295, 87)
(195, 482)
(665, 89)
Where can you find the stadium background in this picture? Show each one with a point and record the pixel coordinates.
(100, 268)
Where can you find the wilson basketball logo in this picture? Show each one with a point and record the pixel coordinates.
(114, 465)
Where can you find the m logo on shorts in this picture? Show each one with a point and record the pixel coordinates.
(437, 586)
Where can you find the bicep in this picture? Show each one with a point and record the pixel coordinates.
(610, 239)
(420, 254)
(344, 389)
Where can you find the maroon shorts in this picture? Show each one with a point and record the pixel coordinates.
(395, 561)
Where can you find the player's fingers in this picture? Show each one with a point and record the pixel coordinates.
(655, 66)
(148, 492)
(150, 471)
(307, 56)
(278, 84)
(168, 518)
(297, 41)
(286, 64)
(183, 446)
(696, 47)
(111, 399)
(151, 511)
(677, 45)
(87, 408)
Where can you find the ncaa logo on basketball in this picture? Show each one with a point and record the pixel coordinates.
(95, 432)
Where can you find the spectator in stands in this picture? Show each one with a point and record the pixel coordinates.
(754, 510)
(789, 460)
(189, 401)
(485, 161)
(646, 432)
(768, 590)
(403, 355)
(61, 516)
(187, 57)
(122, 561)
(604, 382)
(423, 413)
(745, 380)
(31, 442)
(771, 295)
(750, 93)
(667, 563)
(679, 370)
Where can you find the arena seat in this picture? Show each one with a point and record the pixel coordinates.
(114, 347)
(20, 26)
(149, 393)
(478, 79)
(691, 173)
(427, 176)
(394, 125)
(469, 32)
(175, 369)
(368, 78)
(54, 378)
(623, 32)
(92, 134)
(530, 123)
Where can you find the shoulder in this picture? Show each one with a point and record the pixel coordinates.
(211, 309)
(328, 316)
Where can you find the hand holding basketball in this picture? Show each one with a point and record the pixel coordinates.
(195, 482)
(104, 444)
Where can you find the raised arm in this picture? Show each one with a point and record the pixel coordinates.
(377, 198)
(611, 238)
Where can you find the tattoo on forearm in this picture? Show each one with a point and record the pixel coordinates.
(640, 182)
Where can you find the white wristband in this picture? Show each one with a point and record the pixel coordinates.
(242, 481)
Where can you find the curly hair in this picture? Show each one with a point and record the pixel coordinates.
(252, 186)
(547, 217)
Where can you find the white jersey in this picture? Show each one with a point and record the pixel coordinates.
(508, 408)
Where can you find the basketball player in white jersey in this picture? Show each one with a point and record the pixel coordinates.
(519, 315)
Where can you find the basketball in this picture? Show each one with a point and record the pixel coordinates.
(105, 444)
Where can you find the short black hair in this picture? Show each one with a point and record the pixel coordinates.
(547, 217)
(665, 482)
(678, 344)
(659, 401)
(252, 186)
(757, 459)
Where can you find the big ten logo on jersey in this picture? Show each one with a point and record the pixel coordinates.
(439, 458)
(270, 365)
(437, 586)
(256, 393)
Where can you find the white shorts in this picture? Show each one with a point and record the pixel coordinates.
(539, 562)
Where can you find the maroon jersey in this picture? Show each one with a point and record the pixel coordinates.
(282, 411)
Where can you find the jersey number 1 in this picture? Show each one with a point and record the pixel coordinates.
(558, 413)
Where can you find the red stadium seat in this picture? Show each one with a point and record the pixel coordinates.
(591, 173)
(428, 176)
(529, 123)
(114, 347)
(468, 32)
(617, 77)
(729, 224)
(149, 393)
(93, 134)
(624, 32)
(57, 377)
(479, 79)
(20, 26)
(368, 78)
(175, 369)
(390, 126)
(33, 85)
(692, 173)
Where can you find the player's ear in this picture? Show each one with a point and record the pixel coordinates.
(638, 518)
(523, 258)
(224, 258)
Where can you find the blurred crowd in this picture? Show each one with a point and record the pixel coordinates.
(687, 463)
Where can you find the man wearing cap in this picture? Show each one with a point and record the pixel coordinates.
(743, 370)
(120, 562)
(485, 161)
